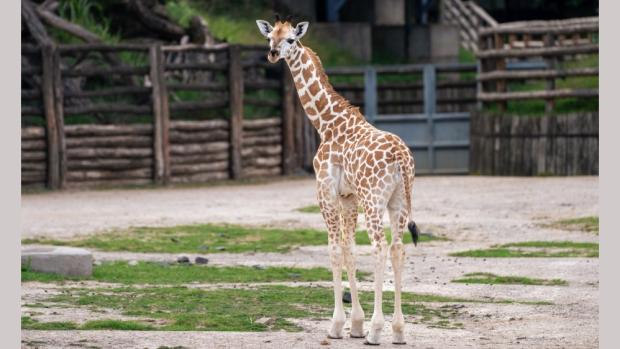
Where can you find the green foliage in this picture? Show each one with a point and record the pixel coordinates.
(88, 14)
(492, 279)
(535, 249)
(169, 274)
(203, 238)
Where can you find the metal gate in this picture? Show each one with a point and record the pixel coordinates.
(439, 141)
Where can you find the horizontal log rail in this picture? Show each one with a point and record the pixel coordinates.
(537, 52)
(109, 108)
(537, 74)
(540, 30)
(196, 66)
(197, 105)
(88, 47)
(205, 86)
(123, 70)
(114, 91)
(562, 93)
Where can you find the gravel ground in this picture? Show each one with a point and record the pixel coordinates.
(474, 212)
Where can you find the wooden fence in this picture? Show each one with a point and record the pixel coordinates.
(469, 17)
(548, 47)
(114, 122)
(526, 146)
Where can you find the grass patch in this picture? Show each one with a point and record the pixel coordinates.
(205, 238)
(29, 323)
(492, 279)
(170, 274)
(589, 224)
(237, 309)
(526, 249)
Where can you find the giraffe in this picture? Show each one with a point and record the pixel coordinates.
(355, 164)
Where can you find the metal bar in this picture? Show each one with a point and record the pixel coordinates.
(370, 93)
(430, 106)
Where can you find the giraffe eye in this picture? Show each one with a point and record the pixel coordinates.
(290, 41)
(268, 39)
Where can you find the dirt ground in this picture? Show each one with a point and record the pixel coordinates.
(474, 212)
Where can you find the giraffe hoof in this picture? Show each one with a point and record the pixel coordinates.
(366, 342)
(333, 337)
(354, 336)
(399, 343)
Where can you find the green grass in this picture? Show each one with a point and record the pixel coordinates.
(492, 279)
(205, 238)
(28, 323)
(553, 249)
(588, 224)
(170, 274)
(189, 309)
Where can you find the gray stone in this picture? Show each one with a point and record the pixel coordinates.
(201, 260)
(68, 261)
(183, 259)
(346, 297)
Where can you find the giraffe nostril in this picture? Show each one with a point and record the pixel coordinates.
(273, 52)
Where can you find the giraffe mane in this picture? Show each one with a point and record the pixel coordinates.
(329, 89)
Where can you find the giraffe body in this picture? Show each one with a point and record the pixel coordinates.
(355, 164)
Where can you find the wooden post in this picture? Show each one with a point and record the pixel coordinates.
(551, 64)
(59, 113)
(235, 82)
(500, 65)
(288, 121)
(53, 141)
(161, 116)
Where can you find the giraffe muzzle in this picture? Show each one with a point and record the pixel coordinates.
(273, 56)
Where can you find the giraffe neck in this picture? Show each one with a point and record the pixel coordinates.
(326, 109)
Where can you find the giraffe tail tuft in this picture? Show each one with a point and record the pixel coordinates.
(415, 234)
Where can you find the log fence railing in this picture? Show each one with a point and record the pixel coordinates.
(469, 17)
(132, 123)
(545, 47)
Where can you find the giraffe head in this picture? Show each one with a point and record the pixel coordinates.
(281, 37)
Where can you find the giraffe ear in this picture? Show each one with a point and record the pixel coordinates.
(301, 29)
(264, 27)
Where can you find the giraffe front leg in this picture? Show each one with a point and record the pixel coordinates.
(331, 214)
(374, 215)
(349, 221)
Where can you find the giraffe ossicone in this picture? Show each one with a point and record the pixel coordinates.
(355, 164)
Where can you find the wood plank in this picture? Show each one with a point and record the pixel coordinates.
(200, 177)
(108, 130)
(235, 82)
(184, 169)
(191, 149)
(49, 100)
(95, 153)
(110, 142)
(109, 164)
(200, 158)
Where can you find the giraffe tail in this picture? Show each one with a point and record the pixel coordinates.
(405, 163)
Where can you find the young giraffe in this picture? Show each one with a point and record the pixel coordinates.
(354, 164)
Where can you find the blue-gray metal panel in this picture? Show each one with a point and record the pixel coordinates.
(454, 160)
(451, 131)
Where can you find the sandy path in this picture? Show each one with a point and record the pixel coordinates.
(472, 211)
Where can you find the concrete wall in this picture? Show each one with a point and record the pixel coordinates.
(306, 9)
(390, 12)
(436, 43)
(355, 37)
